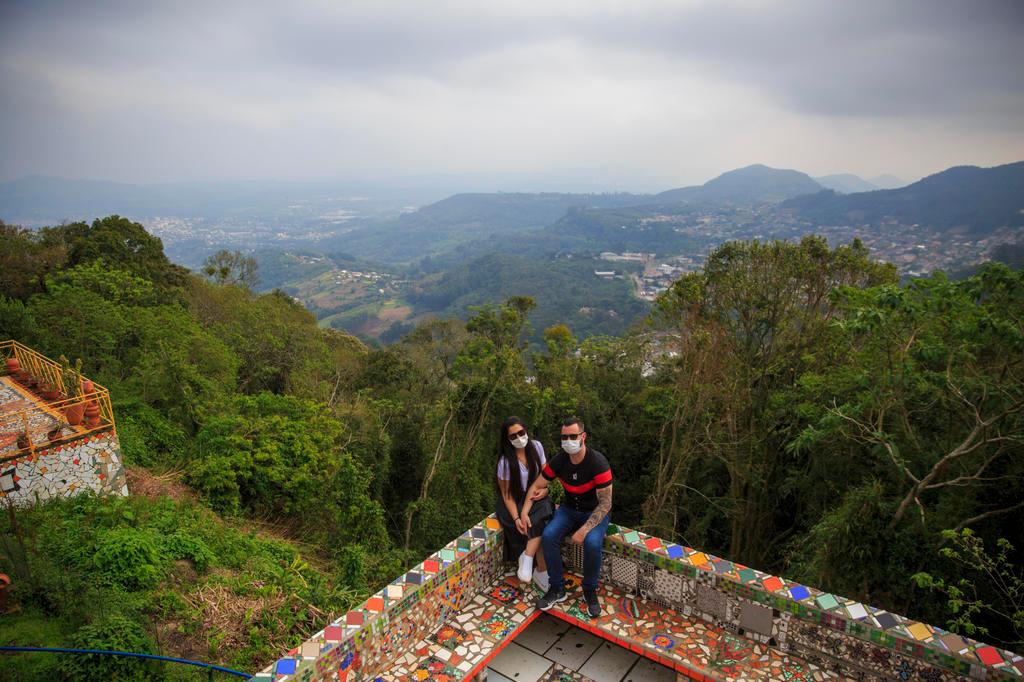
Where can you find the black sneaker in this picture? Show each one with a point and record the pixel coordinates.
(550, 598)
(593, 605)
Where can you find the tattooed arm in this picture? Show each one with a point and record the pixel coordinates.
(604, 505)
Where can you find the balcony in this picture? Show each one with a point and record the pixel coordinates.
(669, 611)
(52, 444)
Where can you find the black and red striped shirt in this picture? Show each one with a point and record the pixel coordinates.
(582, 480)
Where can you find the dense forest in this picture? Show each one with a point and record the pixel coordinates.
(791, 406)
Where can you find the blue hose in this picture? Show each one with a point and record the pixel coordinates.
(128, 654)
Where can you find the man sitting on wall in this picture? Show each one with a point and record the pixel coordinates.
(587, 479)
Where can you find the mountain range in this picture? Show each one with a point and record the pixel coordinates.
(976, 200)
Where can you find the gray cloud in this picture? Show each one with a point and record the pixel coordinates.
(653, 91)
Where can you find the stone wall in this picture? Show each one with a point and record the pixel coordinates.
(91, 463)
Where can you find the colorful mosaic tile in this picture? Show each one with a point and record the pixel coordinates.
(81, 461)
(448, 615)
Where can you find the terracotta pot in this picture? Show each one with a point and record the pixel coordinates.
(92, 414)
(87, 387)
(50, 394)
(5, 583)
(13, 366)
(74, 413)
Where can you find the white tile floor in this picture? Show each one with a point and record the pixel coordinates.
(548, 640)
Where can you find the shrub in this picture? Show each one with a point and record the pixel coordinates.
(116, 633)
(129, 557)
(180, 545)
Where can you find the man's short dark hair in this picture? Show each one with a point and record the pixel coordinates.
(569, 421)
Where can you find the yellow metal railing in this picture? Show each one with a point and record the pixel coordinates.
(33, 427)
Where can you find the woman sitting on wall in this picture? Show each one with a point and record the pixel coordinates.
(520, 459)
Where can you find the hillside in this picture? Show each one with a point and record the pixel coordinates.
(753, 184)
(847, 183)
(976, 200)
(377, 457)
(565, 290)
(160, 567)
(463, 218)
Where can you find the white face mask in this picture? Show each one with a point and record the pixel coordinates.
(571, 446)
(520, 442)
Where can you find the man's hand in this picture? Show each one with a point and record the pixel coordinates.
(538, 493)
(579, 536)
(523, 524)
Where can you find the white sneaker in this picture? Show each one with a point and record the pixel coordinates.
(525, 571)
(540, 578)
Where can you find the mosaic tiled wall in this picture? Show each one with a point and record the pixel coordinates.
(363, 642)
(856, 641)
(90, 463)
(838, 634)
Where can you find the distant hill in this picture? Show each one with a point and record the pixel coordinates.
(753, 184)
(887, 182)
(979, 200)
(464, 218)
(847, 183)
(565, 290)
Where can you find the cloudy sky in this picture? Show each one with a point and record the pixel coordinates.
(630, 94)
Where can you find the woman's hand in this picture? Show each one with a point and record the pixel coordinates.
(523, 524)
(539, 493)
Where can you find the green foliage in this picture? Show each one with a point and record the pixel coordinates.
(103, 568)
(993, 586)
(129, 557)
(565, 291)
(16, 321)
(116, 633)
(25, 261)
(790, 406)
(181, 369)
(30, 628)
(179, 545)
(231, 267)
(279, 455)
(122, 243)
(71, 376)
(147, 437)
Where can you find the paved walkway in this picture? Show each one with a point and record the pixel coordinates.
(634, 639)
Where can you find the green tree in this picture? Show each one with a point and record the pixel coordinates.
(124, 244)
(282, 457)
(25, 261)
(745, 328)
(233, 268)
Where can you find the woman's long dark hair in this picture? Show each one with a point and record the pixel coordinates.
(507, 451)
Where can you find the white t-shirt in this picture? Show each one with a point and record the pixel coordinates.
(524, 470)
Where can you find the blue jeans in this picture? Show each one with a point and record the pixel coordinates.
(566, 522)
